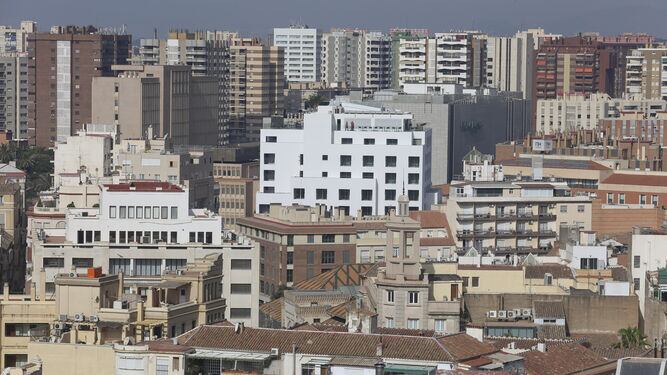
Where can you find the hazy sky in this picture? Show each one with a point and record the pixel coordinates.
(257, 17)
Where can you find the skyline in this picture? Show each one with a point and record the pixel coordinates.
(258, 17)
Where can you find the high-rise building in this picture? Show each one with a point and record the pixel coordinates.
(302, 47)
(14, 94)
(356, 58)
(510, 62)
(348, 156)
(61, 67)
(574, 65)
(396, 35)
(256, 88)
(646, 73)
(13, 40)
(169, 99)
(623, 45)
(443, 58)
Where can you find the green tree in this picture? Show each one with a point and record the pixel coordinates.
(631, 338)
(313, 101)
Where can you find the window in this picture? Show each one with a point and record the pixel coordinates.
(413, 323)
(82, 262)
(548, 279)
(325, 174)
(389, 322)
(310, 257)
(240, 288)
(290, 257)
(147, 212)
(413, 195)
(366, 211)
(413, 178)
(325, 157)
(636, 283)
(465, 281)
(311, 238)
(475, 281)
(610, 198)
(345, 174)
(367, 175)
(290, 276)
(413, 161)
(413, 297)
(53, 262)
(174, 212)
(241, 264)
(156, 212)
(390, 195)
(239, 313)
(440, 325)
(621, 198)
(580, 208)
(346, 141)
(328, 238)
(271, 139)
(345, 160)
(390, 178)
(299, 193)
(164, 212)
(140, 213)
(130, 212)
(269, 158)
(390, 161)
(654, 200)
(369, 141)
(367, 195)
(112, 212)
(642, 199)
(636, 261)
(320, 193)
(392, 141)
(563, 208)
(269, 175)
(328, 257)
(344, 194)
(368, 161)
(588, 263)
(390, 296)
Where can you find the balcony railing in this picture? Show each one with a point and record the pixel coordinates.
(545, 216)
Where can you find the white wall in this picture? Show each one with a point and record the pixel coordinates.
(598, 252)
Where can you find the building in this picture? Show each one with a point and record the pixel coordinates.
(646, 73)
(646, 257)
(61, 66)
(356, 58)
(14, 94)
(480, 167)
(238, 184)
(87, 153)
(353, 157)
(14, 40)
(513, 218)
(442, 58)
(573, 66)
(575, 112)
(168, 99)
(624, 45)
(302, 52)
(13, 222)
(257, 82)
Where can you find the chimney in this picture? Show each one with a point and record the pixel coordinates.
(378, 350)
(238, 328)
(542, 347)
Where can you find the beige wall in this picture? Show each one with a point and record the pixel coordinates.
(73, 359)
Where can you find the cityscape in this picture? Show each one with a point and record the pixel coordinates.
(325, 200)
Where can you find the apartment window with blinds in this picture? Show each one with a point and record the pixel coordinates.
(130, 363)
(175, 264)
(147, 267)
(240, 288)
(162, 366)
(174, 212)
(119, 265)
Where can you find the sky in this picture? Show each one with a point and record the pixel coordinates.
(258, 17)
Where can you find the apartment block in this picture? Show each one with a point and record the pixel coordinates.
(168, 99)
(510, 61)
(302, 52)
(14, 94)
(13, 223)
(646, 73)
(624, 45)
(257, 86)
(88, 153)
(61, 66)
(513, 218)
(353, 157)
(238, 183)
(14, 39)
(356, 58)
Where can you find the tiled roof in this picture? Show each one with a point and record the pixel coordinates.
(446, 349)
(619, 273)
(405, 332)
(561, 360)
(300, 228)
(548, 310)
(558, 271)
(430, 219)
(615, 354)
(523, 343)
(635, 179)
(556, 163)
(345, 275)
(273, 309)
(549, 331)
(437, 241)
(328, 327)
(144, 186)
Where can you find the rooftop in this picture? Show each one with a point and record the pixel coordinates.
(561, 359)
(144, 186)
(636, 179)
(555, 163)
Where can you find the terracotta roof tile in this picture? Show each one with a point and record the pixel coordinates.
(345, 275)
(430, 219)
(561, 360)
(548, 310)
(635, 179)
(273, 309)
(462, 346)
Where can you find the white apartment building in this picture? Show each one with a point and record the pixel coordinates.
(302, 52)
(144, 229)
(88, 152)
(646, 73)
(648, 254)
(353, 157)
(444, 58)
(574, 112)
(356, 58)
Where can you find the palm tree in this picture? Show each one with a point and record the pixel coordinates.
(631, 338)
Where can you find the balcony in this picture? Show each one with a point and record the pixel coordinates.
(484, 217)
(505, 233)
(525, 233)
(545, 216)
(465, 217)
(547, 233)
(504, 216)
(525, 216)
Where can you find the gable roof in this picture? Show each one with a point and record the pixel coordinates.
(430, 219)
(548, 310)
(635, 179)
(558, 271)
(273, 309)
(345, 275)
(561, 360)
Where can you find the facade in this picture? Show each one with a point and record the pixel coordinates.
(14, 93)
(646, 73)
(510, 61)
(87, 153)
(302, 52)
(256, 92)
(168, 99)
(356, 58)
(573, 66)
(353, 157)
(576, 112)
(443, 58)
(238, 183)
(13, 223)
(513, 218)
(646, 257)
(13, 40)
(61, 65)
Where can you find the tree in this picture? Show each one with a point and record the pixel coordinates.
(313, 101)
(631, 338)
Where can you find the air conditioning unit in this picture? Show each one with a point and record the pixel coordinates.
(275, 352)
(517, 313)
(58, 325)
(79, 317)
(93, 319)
(493, 314)
(511, 314)
(502, 314)
(526, 313)
(62, 317)
(73, 274)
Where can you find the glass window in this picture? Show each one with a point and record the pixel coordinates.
(345, 175)
(320, 193)
(344, 194)
(413, 161)
(390, 161)
(413, 323)
(328, 238)
(390, 295)
(367, 195)
(147, 212)
(346, 141)
(140, 212)
(311, 238)
(368, 161)
(413, 195)
(413, 178)
(156, 212)
(164, 212)
(269, 175)
(328, 257)
(390, 195)
(392, 141)
(390, 178)
(269, 158)
(369, 141)
(174, 212)
(299, 193)
(345, 160)
(112, 212)
(130, 212)
(413, 297)
(636, 261)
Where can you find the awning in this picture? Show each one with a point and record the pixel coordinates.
(408, 369)
(231, 355)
